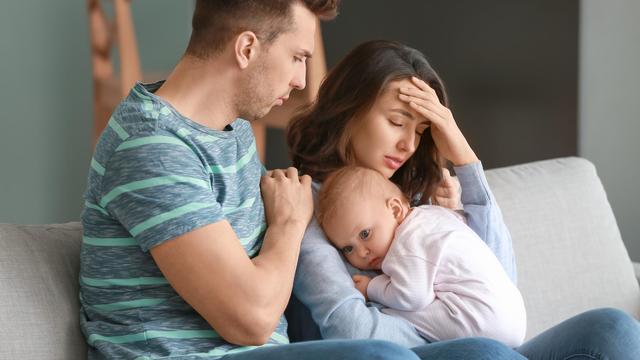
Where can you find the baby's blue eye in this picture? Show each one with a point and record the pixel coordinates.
(347, 250)
(364, 234)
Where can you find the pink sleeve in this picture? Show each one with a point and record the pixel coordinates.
(407, 283)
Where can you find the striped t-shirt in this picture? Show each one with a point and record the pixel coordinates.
(156, 175)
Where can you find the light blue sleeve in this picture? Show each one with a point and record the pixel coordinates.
(323, 283)
(484, 215)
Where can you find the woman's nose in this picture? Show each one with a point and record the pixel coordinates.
(408, 142)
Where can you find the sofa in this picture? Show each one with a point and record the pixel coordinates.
(570, 257)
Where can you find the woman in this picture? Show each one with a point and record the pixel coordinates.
(385, 108)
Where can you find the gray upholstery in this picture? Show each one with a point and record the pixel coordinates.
(39, 304)
(570, 259)
(570, 255)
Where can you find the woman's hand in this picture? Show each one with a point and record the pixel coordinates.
(448, 138)
(449, 192)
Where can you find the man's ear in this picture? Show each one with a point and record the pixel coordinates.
(246, 48)
(397, 208)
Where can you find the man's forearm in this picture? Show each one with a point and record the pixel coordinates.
(276, 265)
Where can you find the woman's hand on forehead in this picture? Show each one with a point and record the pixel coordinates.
(448, 138)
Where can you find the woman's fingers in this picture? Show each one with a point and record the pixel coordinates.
(431, 115)
(450, 183)
(448, 192)
(432, 105)
(437, 116)
(422, 85)
(421, 94)
(423, 100)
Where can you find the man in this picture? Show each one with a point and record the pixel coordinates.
(177, 259)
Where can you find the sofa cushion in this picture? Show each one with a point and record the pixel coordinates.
(568, 248)
(39, 305)
(569, 252)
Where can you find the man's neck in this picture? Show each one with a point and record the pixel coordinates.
(200, 93)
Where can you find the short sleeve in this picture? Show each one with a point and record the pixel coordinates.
(158, 191)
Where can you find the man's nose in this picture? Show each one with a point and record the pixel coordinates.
(299, 80)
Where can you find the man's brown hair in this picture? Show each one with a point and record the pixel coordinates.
(216, 22)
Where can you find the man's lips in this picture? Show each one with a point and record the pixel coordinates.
(393, 162)
(281, 100)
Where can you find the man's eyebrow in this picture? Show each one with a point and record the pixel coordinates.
(403, 112)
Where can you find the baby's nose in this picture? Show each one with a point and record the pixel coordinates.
(364, 252)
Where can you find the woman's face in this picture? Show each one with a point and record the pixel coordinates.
(388, 135)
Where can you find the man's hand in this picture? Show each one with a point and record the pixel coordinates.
(287, 197)
(449, 192)
(361, 283)
(249, 295)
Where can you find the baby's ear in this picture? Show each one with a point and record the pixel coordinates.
(397, 208)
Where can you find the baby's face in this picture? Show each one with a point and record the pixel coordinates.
(363, 231)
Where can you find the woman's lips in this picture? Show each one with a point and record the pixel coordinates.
(392, 162)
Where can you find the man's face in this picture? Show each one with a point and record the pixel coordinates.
(279, 68)
(362, 230)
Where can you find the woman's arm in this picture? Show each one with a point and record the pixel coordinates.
(484, 215)
(324, 285)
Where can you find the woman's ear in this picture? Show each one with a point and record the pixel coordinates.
(246, 48)
(397, 207)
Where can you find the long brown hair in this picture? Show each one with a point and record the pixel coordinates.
(319, 138)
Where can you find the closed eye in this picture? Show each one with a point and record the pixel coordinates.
(395, 123)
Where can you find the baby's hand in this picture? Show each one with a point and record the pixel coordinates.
(361, 282)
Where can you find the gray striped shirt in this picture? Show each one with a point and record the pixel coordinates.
(156, 175)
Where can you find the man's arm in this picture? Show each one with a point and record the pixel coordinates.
(242, 298)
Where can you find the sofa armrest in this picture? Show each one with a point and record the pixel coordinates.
(562, 251)
(636, 269)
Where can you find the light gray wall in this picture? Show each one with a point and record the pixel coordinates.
(46, 98)
(609, 106)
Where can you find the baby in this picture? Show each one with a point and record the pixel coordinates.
(436, 272)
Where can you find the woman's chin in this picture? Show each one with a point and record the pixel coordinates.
(387, 172)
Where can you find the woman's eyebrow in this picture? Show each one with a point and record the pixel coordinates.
(403, 113)
(305, 53)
